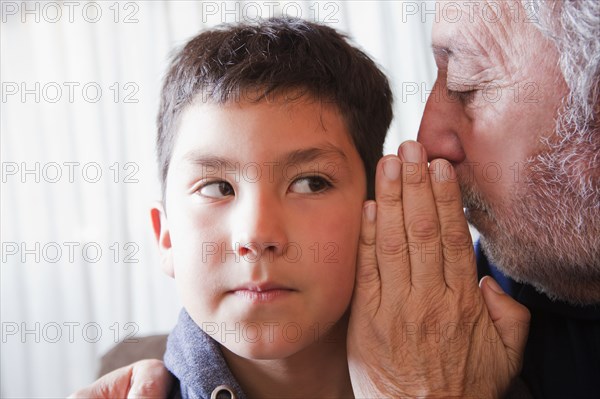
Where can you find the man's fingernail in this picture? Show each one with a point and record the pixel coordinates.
(494, 285)
(411, 151)
(370, 211)
(391, 168)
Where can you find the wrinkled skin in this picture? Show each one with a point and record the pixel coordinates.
(420, 326)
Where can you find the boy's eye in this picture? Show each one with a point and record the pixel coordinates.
(309, 185)
(216, 189)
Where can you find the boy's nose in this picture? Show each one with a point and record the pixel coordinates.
(259, 227)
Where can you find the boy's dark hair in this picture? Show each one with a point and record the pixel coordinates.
(279, 55)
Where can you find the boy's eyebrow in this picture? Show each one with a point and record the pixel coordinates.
(299, 156)
(306, 155)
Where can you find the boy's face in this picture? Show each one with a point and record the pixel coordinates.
(263, 213)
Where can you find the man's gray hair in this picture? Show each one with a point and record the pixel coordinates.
(574, 27)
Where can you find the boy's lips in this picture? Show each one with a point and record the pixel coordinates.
(261, 287)
(262, 292)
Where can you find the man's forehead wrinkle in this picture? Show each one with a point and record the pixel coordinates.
(465, 55)
(499, 39)
(451, 41)
(505, 36)
(456, 41)
(464, 49)
(485, 44)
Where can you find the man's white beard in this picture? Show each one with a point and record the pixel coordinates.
(547, 233)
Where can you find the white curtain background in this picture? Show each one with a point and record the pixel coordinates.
(80, 91)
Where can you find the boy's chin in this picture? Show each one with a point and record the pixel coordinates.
(273, 350)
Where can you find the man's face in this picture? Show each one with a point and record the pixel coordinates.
(263, 213)
(492, 113)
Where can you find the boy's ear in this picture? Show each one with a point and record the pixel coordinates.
(163, 237)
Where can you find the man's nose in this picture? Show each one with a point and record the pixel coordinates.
(443, 125)
(259, 226)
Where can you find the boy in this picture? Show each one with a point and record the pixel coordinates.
(268, 139)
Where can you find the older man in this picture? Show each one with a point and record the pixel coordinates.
(515, 110)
